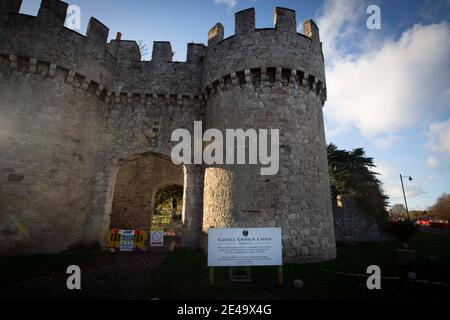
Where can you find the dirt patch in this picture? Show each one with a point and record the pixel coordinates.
(108, 276)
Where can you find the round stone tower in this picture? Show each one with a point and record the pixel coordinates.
(271, 79)
(50, 83)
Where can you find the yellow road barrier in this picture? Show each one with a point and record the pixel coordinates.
(140, 239)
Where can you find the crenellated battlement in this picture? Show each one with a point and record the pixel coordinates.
(252, 48)
(52, 14)
(53, 11)
(97, 34)
(28, 65)
(284, 21)
(245, 21)
(45, 38)
(270, 76)
(117, 65)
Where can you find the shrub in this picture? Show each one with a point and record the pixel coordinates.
(177, 218)
(402, 230)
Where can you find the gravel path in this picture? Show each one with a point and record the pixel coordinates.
(109, 276)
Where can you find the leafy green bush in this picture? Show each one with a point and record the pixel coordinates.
(402, 230)
(177, 218)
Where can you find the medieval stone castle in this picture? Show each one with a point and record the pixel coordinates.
(85, 130)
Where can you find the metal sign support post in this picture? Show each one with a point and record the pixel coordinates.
(280, 275)
(211, 276)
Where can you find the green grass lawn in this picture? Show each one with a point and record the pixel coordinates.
(23, 267)
(184, 275)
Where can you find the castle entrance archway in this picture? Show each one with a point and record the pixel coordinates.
(167, 213)
(152, 192)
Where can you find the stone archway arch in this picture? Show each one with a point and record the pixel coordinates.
(106, 182)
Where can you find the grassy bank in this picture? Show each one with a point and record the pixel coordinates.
(184, 275)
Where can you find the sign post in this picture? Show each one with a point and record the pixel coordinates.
(280, 275)
(235, 247)
(240, 273)
(211, 276)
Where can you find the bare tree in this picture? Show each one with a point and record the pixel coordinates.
(441, 209)
(398, 211)
(144, 50)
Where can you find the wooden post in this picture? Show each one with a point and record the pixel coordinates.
(211, 276)
(280, 275)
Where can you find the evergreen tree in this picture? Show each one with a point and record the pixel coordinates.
(351, 174)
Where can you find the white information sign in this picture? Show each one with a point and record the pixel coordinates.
(244, 247)
(126, 240)
(157, 238)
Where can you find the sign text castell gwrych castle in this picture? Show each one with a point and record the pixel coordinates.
(85, 132)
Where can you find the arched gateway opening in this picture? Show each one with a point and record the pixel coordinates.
(167, 212)
(152, 192)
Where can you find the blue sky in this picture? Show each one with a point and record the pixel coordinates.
(388, 89)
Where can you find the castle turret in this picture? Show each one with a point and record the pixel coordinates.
(52, 86)
(271, 79)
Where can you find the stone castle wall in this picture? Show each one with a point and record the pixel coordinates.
(67, 122)
(74, 107)
(352, 224)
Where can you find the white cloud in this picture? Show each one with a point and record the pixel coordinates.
(229, 3)
(411, 190)
(395, 87)
(383, 86)
(439, 137)
(390, 177)
(432, 162)
(418, 208)
(385, 169)
(336, 24)
(387, 142)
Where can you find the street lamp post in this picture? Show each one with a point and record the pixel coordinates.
(404, 195)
